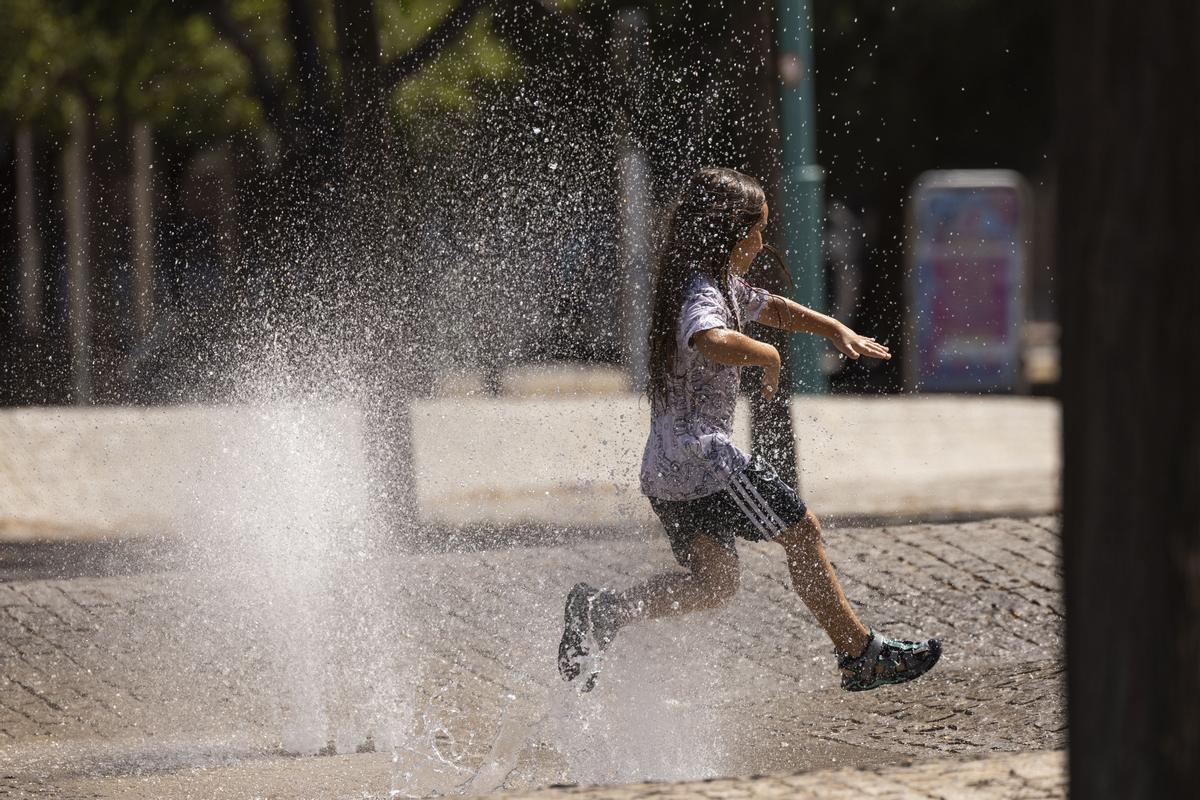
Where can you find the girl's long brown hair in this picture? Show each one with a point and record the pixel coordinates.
(716, 209)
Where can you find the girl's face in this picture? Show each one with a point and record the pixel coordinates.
(744, 251)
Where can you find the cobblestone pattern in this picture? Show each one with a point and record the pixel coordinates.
(1011, 776)
(144, 673)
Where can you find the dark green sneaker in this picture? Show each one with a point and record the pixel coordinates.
(588, 628)
(887, 661)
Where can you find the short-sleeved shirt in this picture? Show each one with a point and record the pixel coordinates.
(690, 452)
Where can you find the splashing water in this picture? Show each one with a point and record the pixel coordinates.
(650, 717)
(501, 249)
(282, 529)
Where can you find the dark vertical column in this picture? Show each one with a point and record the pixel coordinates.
(30, 253)
(229, 232)
(771, 431)
(634, 197)
(79, 278)
(141, 204)
(1128, 244)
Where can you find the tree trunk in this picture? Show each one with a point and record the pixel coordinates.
(30, 237)
(141, 206)
(366, 127)
(1128, 82)
(79, 307)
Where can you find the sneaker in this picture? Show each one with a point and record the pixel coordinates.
(887, 661)
(587, 631)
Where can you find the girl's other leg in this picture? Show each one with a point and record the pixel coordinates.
(814, 579)
(713, 579)
(592, 617)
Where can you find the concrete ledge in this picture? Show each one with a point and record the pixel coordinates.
(574, 460)
(105, 472)
(567, 460)
(1033, 776)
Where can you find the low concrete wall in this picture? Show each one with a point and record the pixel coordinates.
(573, 460)
(99, 472)
(67, 472)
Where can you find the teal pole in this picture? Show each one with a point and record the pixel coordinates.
(802, 185)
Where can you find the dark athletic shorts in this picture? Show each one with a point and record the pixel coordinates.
(756, 505)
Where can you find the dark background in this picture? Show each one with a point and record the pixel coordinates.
(286, 148)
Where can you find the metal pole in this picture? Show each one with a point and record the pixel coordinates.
(802, 184)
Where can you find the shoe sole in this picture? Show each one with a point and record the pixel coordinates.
(574, 651)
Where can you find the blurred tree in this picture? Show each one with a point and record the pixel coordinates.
(320, 77)
(321, 85)
(150, 63)
(329, 95)
(902, 87)
(311, 90)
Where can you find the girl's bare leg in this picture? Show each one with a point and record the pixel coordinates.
(713, 580)
(817, 584)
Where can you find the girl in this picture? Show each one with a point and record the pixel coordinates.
(702, 487)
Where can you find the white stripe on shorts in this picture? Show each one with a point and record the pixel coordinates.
(746, 512)
(772, 524)
(763, 502)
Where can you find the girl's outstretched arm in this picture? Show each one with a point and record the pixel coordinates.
(791, 316)
(731, 347)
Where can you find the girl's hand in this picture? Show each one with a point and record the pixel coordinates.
(852, 345)
(770, 379)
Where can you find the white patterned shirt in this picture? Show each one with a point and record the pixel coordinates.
(690, 452)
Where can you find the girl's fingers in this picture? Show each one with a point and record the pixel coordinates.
(869, 347)
(875, 347)
(864, 345)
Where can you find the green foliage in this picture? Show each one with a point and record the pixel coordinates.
(450, 82)
(164, 62)
(40, 57)
(148, 60)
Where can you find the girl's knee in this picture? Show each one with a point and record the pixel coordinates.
(805, 533)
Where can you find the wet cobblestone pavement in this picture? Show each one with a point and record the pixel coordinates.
(434, 674)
